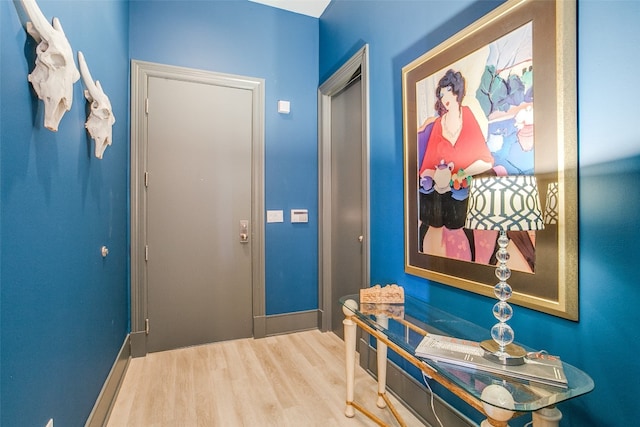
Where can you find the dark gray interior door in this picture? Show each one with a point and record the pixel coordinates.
(198, 268)
(347, 195)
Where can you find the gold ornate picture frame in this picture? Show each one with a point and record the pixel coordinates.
(521, 48)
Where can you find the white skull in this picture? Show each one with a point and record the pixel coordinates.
(101, 118)
(55, 71)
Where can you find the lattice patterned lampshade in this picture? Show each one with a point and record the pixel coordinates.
(551, 204)
(504, 203)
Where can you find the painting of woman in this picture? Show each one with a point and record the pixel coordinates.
(456, 150)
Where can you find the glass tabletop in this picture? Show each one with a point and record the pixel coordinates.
(403, 324)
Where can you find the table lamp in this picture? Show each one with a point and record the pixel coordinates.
(504, 203)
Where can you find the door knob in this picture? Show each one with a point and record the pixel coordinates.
(360, 239)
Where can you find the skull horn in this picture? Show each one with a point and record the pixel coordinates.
(93, 90)
(39, 27)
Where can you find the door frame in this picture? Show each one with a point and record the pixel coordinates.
(141, 71)
(331, 87)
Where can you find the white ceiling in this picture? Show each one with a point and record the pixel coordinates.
(306, 7)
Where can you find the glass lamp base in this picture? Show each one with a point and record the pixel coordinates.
(512, 354)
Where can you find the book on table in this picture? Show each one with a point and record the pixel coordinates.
(538, 367)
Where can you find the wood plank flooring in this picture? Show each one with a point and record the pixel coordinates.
(286, 380)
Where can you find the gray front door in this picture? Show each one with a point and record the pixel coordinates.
(199, 169)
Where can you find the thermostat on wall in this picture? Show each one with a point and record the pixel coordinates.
(299, 215)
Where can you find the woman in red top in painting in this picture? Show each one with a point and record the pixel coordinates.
(455, 151)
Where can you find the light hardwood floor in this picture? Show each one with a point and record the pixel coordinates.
(287, 380)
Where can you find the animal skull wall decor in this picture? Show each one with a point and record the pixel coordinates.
(101, 118)
(55, 71)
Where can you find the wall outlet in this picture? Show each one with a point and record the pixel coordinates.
(50, 423)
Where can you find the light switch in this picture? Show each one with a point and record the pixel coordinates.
(275, 216)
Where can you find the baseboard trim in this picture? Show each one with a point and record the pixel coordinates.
(412, 393)
(102, 408)
(290, 322)
(263, 326)
(138, 344)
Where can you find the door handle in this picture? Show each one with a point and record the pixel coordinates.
(244, 231)
(360, 239)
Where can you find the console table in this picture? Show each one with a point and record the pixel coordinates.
(401, 327)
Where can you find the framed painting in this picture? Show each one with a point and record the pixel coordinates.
(477, 89)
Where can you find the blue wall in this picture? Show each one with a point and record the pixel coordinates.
(245, 38)
(605, 341)
(64, 308)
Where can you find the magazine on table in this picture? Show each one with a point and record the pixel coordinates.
(538, 367)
